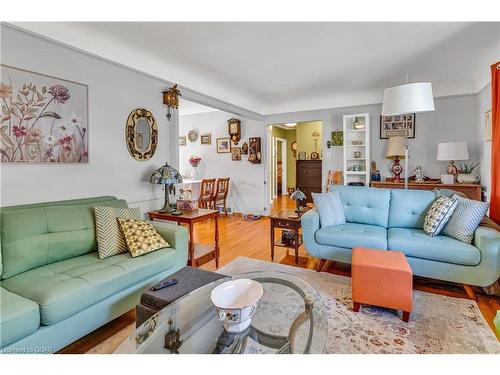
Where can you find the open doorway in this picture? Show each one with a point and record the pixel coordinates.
(291, 146)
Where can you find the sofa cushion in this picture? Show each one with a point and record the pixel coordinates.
(64, 288)
(329, 207)
(19, 317)
(415, 243)
(40, 234)
(351, 235)
(364, 205)
(409, 207)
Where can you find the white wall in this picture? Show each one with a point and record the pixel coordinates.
(247, 189)
(113, 92)
(483, 105)
(454, 120)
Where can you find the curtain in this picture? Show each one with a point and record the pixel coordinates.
(495, 143)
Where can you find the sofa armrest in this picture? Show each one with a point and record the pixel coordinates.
(487, 240)
(310, 224)
(176, 236)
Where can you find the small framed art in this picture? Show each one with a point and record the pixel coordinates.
(236, 153)
(182, 140)
(206, 139)
(223, 145)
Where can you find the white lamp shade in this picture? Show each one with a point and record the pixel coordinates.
(452, 151)
(408, 98)
(396, 148)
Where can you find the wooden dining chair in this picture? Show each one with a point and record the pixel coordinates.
(207, 191)
(221, 191)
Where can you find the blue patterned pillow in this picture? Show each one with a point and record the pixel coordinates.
(465, 219)
(329, 207)
(438, 215)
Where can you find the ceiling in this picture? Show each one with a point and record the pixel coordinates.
(282, 67)
(187, 107)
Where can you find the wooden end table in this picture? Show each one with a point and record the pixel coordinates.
(290, 220)
(199, 254)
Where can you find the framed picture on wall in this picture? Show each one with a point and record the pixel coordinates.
(488, 125)
(44, 119)
(399, 125)
(206, 139)
(236, 153)
(182, 140)
(223, 145)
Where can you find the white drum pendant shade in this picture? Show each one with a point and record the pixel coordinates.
(408, 98)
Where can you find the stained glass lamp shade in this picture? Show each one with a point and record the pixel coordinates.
(167, 176)
(297, 196)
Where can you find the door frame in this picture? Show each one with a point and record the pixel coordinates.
(284, 161)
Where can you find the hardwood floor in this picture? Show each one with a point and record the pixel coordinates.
(250, 238)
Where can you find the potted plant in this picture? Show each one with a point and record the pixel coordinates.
(465, 175)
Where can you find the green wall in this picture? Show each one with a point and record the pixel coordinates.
(290, 136)
(305, 141)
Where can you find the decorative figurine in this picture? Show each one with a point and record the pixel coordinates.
(419, 174)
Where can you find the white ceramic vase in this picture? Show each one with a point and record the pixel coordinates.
(468, 178)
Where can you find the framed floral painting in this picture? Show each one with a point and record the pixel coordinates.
(43, 119)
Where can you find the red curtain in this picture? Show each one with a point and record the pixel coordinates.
(495, 143)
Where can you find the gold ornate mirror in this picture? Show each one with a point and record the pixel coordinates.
(141, 134)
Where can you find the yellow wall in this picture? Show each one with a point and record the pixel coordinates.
(304, 137)
(290, 136)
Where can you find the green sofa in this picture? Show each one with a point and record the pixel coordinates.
(54, 288)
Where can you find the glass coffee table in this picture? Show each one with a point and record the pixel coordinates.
(290, 318)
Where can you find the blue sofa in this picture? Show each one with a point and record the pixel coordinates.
(54, 288)
(393, 220)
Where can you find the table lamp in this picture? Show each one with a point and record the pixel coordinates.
(451, 151)
(396, 150)
(168, 176)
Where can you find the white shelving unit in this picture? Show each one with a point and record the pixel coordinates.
(350, 161)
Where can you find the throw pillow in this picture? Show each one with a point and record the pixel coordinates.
(438, 215)
(141, 237)
(465, 219)
(329, 207)
(110, 240)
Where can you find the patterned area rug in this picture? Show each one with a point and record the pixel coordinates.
(438, 324)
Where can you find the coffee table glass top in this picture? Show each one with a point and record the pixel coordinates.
(290, 318)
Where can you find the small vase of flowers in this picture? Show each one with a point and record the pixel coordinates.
(195, 161)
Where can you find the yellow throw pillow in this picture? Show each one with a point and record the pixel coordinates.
(141, 237)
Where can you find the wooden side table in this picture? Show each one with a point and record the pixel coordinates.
(289, 220)
(199, 254)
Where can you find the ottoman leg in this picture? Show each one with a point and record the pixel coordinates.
(406, 316)
(356, 306)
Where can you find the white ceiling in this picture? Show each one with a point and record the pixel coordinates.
(187, 107)
(281, 67)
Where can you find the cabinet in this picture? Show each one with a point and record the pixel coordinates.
(357, 148)
(308, 177)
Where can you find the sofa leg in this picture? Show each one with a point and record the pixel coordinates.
(321, 265)
(470, 292)
(406, 316)
(356, 306)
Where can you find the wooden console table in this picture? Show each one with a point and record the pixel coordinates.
(472, 191)
(199, 254)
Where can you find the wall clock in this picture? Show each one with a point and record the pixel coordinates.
(234, 128)
(193, 135)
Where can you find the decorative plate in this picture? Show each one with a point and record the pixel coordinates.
(193, 135)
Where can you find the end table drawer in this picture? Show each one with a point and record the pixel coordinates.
(287, 224)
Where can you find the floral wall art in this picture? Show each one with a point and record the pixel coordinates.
(43, 119)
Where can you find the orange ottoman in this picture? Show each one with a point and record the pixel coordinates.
(381, 278)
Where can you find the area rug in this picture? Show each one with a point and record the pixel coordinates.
(438, 324)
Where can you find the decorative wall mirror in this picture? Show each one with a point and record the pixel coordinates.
(141, 134)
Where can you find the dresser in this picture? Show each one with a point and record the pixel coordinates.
(472, 191)
(309, 177)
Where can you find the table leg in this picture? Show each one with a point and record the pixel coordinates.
(296, 246)
(272, 241)
(217, 250)
(191, 261)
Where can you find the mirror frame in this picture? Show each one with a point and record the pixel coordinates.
(130, 131)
